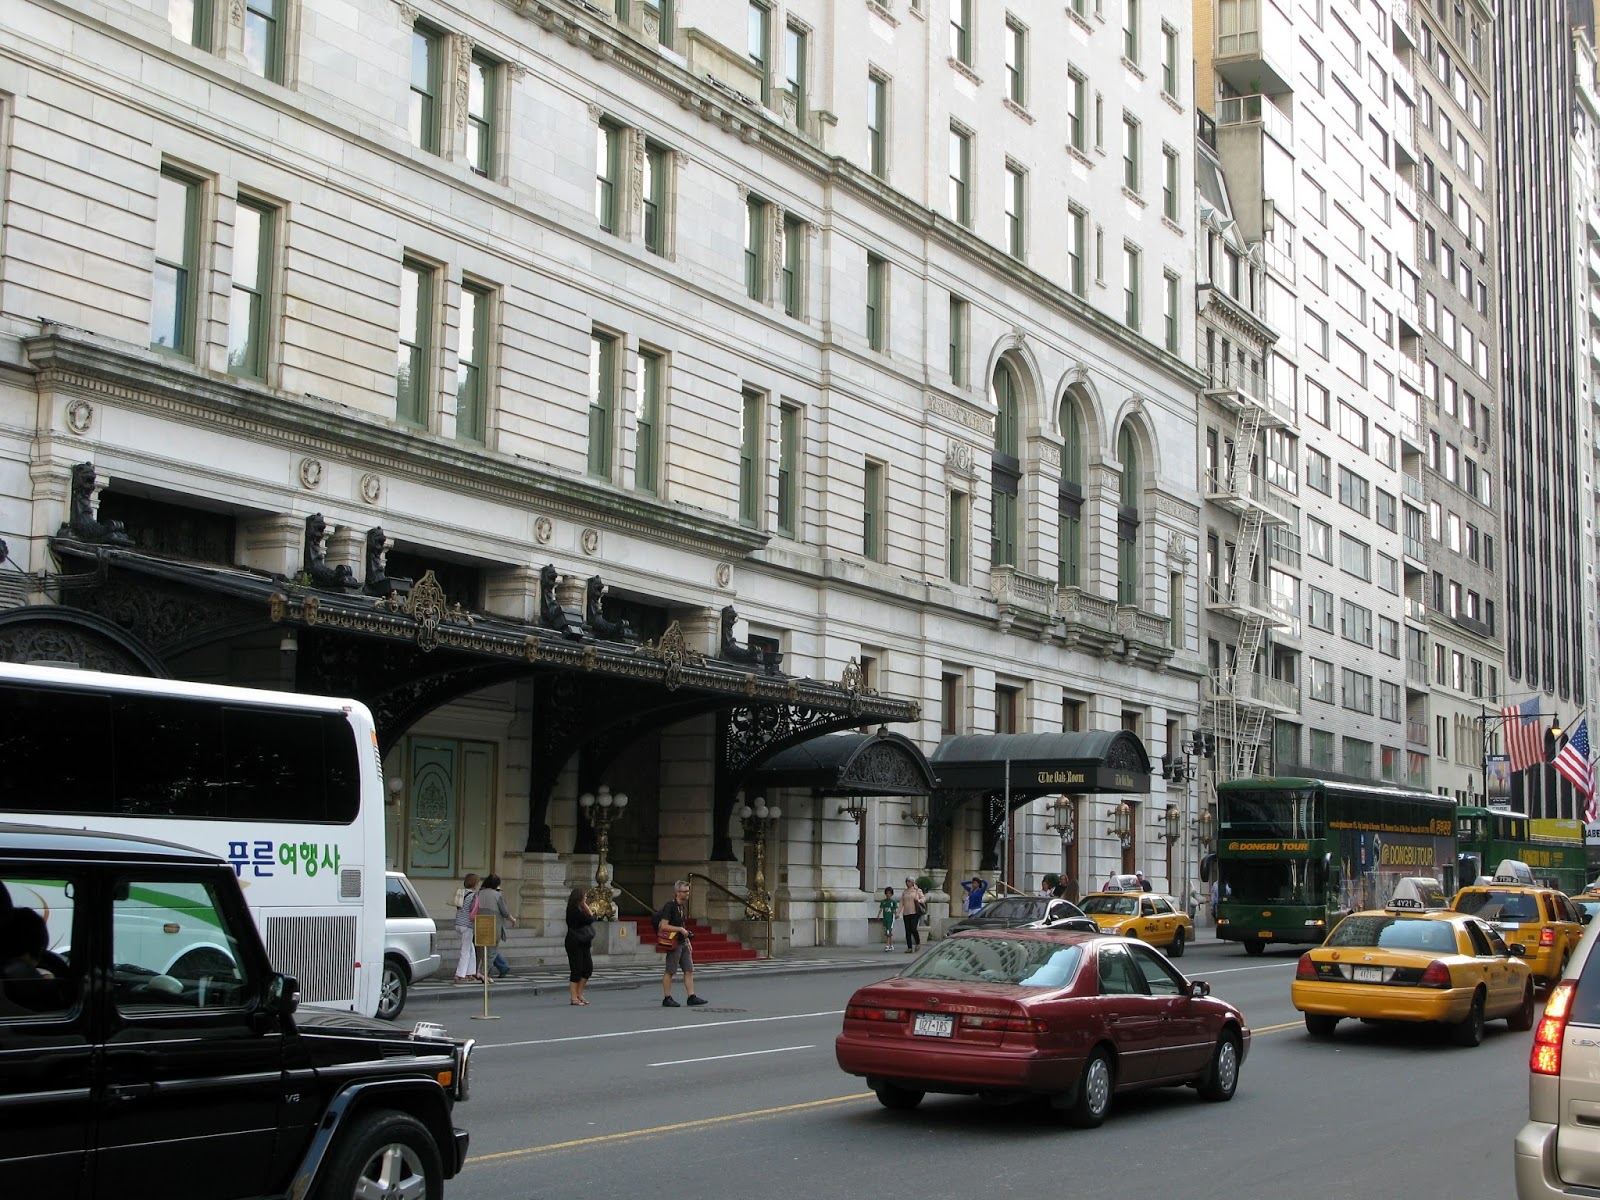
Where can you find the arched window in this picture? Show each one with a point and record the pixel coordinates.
(1069, 497)
(1128, 520)
(1005, 470)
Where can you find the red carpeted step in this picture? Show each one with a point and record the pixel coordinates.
(709, 945)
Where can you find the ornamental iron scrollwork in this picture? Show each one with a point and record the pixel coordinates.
(427, 606)
(673, 652)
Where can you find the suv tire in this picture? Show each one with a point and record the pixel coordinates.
(392, 1147)
(392, 990)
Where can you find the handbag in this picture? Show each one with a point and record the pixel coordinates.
(922, 908)
(459, 898)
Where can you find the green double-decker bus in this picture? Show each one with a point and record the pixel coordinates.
(1294, 855)
(1486, 837)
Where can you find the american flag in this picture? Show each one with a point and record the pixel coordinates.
(1573, 763)
(1524, 736)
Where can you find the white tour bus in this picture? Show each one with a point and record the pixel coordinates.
(287, 788)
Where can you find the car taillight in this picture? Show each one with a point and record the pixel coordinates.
(871, 1012)
(1547, 936)
(1305, 969)
(1436, 976)
(1550, 1031)
(1004, 1024)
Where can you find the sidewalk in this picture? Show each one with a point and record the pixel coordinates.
(553, 976)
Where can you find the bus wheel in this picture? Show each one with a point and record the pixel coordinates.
(1255, 947)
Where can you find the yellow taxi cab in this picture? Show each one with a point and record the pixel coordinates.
(1412, 962)
(1539, 919)
(1152, 917)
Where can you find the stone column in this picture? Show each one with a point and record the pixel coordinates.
(275, 544)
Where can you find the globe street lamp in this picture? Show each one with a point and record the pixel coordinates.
(601, 808)
(760, 821)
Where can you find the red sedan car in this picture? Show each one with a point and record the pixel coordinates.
(1073, 1017)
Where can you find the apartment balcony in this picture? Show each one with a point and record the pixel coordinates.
(1405, 27)
(1417, 680)
(1415, 550)
(1244, 491)
(1400, 72)
(1086, 619)
(1234, 386)
(1247, 110)
(1416, 610)
(1411, 371)
(1411, 428)
(1594, 311)
(1405, 191)
(1416, 733)
(1405, 133)
(1594, 263)
(1593, 214)
(1023, 602)
(1239, 600)
(1259, 55)
(1413, 487)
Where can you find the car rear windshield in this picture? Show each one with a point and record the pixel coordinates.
(1026, 962)
(1119, 906)
(1395, 933)
(1013, 909)
(1495, 905)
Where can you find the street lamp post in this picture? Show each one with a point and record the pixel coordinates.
(1062, 819)
(601, 808)
(759, 821)
(1489, 721)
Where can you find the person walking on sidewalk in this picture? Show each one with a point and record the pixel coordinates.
(913, 906)
(887, 907)
(466, 910)
(579, 945)
(673, 935)
(493, 902)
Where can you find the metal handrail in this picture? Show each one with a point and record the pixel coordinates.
(617, 887)
(754, 908)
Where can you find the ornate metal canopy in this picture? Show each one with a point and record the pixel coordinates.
(849, 764)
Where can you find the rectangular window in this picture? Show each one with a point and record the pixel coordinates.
(607, 167)
(1169, 309)
(1353, 490)
(602, 402)
(427, 48)
(416, 343)
(1355, 623)
(756, 213)
(877, 302)
(955, 562)
(750, 456)
(1318, 540)
(1355, 557)
(1169, 184)
(1016, 212)
(878, 126)
(758, 38)
(253, 234)
(1130, 30)
(654, 190)
(1130, 153)
(1320, 604)
(1322, 680)
(1319, 472)
(872, 515)
(647, 423)
(960, 177)
(796, 48)
(483, 79)
(1355, 691)
(794, 268)
(472, 361)
(1130, 286)
(1169, 60)
(190, 21)
(961, 31)
(172, 315)
(1077, 247)
(958, 341)
(1077, 111)
(788, 469)
(263, 38)
(1016, 62)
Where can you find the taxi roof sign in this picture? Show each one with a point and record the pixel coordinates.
(1122, 883)
(1514, 870)
(1418, 893)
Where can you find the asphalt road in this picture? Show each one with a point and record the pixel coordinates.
(742, 1098)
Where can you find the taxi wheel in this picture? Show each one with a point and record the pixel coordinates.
(1470, 1031)
(1093, 1100)
(1176, 949)
(1522, 1020)
(898, 1098)
(1255, 949)
(1222, 1077)
(1321, 1024)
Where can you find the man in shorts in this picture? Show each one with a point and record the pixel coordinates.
(672, 931)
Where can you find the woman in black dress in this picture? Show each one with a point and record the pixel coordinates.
(580, 942)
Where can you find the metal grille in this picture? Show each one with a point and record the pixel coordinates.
(350, 883)
(320, 952)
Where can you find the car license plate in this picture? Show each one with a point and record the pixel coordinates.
(934, 1025)
(1369, 974)
(1264, 934)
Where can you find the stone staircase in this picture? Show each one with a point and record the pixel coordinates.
(530, 953)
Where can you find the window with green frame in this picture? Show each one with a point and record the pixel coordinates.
(607, 168)
(872, 514)
(427, 48)
(416, 343)
(647, 423)
(483, 80)
(878, 125)
(958, 341)
(796, 44)
(756, 214)
(955, 560)
(602, 402)
(789, 477)
(173, 308)
(190, 21)
(472, 361)
(250, 298)
(1005, 469)
(750, 410)
(657, 180)
(1069, 496)
(794, 266)
(666, 19)
(1128, 519)
(758, 46)
(263, 38)
(877, 302)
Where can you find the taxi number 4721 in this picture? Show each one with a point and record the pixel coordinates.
(1369, 974)
(934, 1025)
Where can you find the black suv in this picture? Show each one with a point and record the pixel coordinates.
(203, 1083)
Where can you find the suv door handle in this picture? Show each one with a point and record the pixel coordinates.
(122, 1093)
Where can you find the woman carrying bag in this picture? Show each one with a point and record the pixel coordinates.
(466, 911)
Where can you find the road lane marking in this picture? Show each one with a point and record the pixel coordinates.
(680, 1127)
(592, 1037)
(1276, 1028)
(1236, 970)
(679, 1062)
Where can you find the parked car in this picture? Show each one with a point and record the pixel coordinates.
(1153, 917)
(1013, 912)
(410, 951)
(119, 1063)
(1073, 1017)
